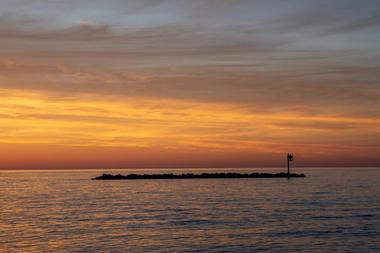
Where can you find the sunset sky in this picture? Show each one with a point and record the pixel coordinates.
(180, 83)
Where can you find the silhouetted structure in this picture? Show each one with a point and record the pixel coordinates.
(193, 176)
(290, 158)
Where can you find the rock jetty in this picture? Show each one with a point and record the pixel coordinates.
(197, 176)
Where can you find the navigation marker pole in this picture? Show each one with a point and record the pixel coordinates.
(290, 158)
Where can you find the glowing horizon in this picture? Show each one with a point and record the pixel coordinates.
(165, 126)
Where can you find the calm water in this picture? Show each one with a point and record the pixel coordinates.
(64, 211)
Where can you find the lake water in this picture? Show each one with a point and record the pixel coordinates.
(64, 211)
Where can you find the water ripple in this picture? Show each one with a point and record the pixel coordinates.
(66, 212)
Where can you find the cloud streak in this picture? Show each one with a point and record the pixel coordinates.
(160, 125)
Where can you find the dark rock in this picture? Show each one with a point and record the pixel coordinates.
(203, 175)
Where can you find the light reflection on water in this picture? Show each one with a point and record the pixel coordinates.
(64, 211)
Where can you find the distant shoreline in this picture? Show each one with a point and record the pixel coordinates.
(197, 176)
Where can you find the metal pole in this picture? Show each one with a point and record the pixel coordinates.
(288, 166)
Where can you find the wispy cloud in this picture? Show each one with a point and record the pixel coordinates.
(42, 117)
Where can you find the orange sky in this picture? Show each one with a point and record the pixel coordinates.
(88, 130)
(190, 84)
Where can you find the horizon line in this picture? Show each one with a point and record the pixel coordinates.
(161, 168)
